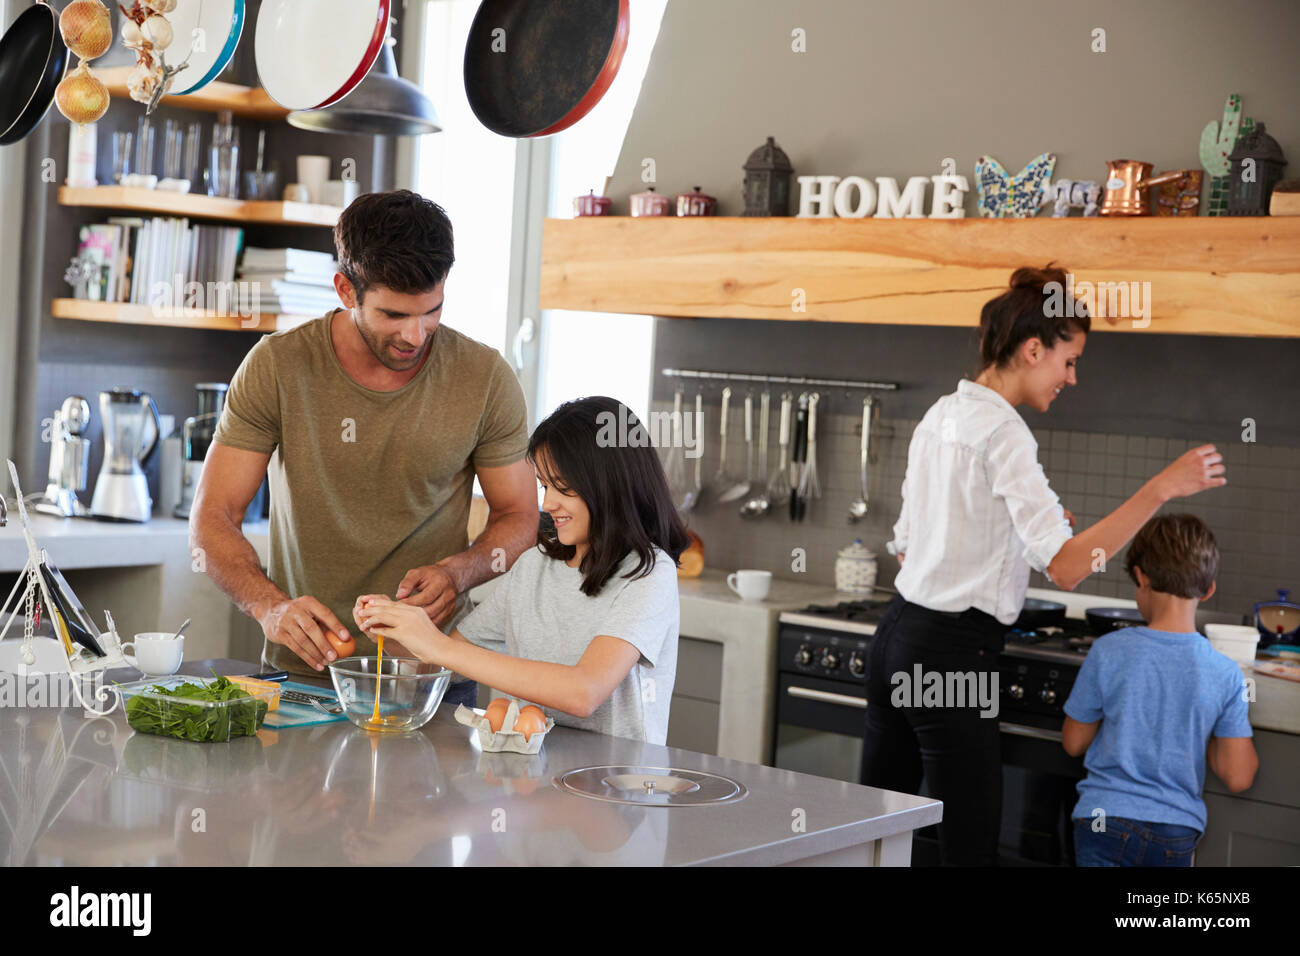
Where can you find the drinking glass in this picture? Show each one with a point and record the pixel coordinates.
(122, 154)
(144, 137)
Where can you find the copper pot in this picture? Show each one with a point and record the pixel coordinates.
(1126, 183)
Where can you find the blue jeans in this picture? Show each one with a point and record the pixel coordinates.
(1134, 843)
(466, 692)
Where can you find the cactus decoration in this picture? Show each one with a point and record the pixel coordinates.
(1217, 141)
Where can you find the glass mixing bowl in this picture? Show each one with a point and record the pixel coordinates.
(408, 690)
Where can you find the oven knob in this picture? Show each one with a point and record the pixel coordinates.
(1047, 695)
(830, 660)
(857, 665)
(1015, 692)
(803, 657)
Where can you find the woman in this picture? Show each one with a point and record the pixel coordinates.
(977, 514)
(589, 618)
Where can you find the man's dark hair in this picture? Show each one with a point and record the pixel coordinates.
(623, 486)
(1178, 553)
(397, 239)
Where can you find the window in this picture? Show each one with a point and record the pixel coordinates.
(472, 173)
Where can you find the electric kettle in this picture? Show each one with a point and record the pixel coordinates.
(131, 430)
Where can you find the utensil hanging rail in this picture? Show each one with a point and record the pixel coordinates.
(776, 379)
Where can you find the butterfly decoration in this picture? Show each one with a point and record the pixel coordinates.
(1002, 196)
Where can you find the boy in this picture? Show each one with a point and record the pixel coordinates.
(1152, 697)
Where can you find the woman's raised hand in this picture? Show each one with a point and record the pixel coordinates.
(1191, 472)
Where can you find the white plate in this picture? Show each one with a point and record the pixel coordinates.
(221, 23)
(308, 51)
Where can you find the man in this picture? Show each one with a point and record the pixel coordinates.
(374, 421)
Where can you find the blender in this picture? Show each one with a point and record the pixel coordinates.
(131, 430)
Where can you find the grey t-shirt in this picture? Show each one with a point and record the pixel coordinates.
(540, 613)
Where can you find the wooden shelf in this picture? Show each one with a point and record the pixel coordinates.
(251, 101)
(1209, 276)
(127, 314)
(198, 206)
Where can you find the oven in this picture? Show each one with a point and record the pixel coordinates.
(821, 715)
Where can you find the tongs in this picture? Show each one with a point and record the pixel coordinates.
(798, 452)
(808, 484)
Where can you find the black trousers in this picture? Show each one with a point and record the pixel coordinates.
(957, 750)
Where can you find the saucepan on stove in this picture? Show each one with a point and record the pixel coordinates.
(1035, 614)
(1103, 620)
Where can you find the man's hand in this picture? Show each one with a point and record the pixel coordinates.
(431, 588)
(1069, 516)
(300, 625)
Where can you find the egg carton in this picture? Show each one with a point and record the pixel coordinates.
(505, 740)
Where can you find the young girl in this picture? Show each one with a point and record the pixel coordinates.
(589, 618)
(977, 514)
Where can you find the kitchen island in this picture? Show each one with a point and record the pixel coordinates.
(100, 794)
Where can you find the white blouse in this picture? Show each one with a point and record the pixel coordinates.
(977, 511)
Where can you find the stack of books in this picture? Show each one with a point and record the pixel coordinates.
(288, 281)
(163, 261)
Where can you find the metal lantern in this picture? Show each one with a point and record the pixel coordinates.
(767, 181)
(1249, 195)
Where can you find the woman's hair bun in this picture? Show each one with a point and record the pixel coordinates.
(1029, 278)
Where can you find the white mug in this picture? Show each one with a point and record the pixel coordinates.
(313, 171)
(339, 192)
(750, 585)
(156, 654)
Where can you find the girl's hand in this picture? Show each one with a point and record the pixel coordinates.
(405, 624)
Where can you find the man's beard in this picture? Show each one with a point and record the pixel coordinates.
(380, 350)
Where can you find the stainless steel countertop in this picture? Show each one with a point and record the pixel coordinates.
(93, 792)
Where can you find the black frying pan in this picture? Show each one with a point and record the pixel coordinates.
(1035, 614)
(535, 67)
(1103, 620)
(33, 58)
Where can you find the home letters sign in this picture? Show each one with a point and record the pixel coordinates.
(856, 197)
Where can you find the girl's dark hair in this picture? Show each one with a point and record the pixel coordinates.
(396, 239)
(618, 476)
(1033, 307)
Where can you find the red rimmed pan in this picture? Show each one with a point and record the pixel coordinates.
(33, 58)
(535, 67)
(312, 53)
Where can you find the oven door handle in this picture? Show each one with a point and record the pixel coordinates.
(826, 697)
(1020, 730)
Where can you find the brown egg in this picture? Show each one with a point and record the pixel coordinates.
(496, 712)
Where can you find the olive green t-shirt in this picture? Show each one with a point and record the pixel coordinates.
(366, 485)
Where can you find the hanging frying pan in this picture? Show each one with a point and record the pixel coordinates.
(222, 22)
(312, 53)
(535, 67)
(33, 58)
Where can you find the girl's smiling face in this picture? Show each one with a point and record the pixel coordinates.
(568, 511)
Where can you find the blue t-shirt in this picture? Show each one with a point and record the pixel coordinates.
(1159, 697)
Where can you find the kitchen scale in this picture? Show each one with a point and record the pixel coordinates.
(46, 591)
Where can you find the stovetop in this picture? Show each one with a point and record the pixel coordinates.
(1063, 645)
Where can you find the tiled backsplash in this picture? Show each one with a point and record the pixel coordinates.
(1254, 517)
